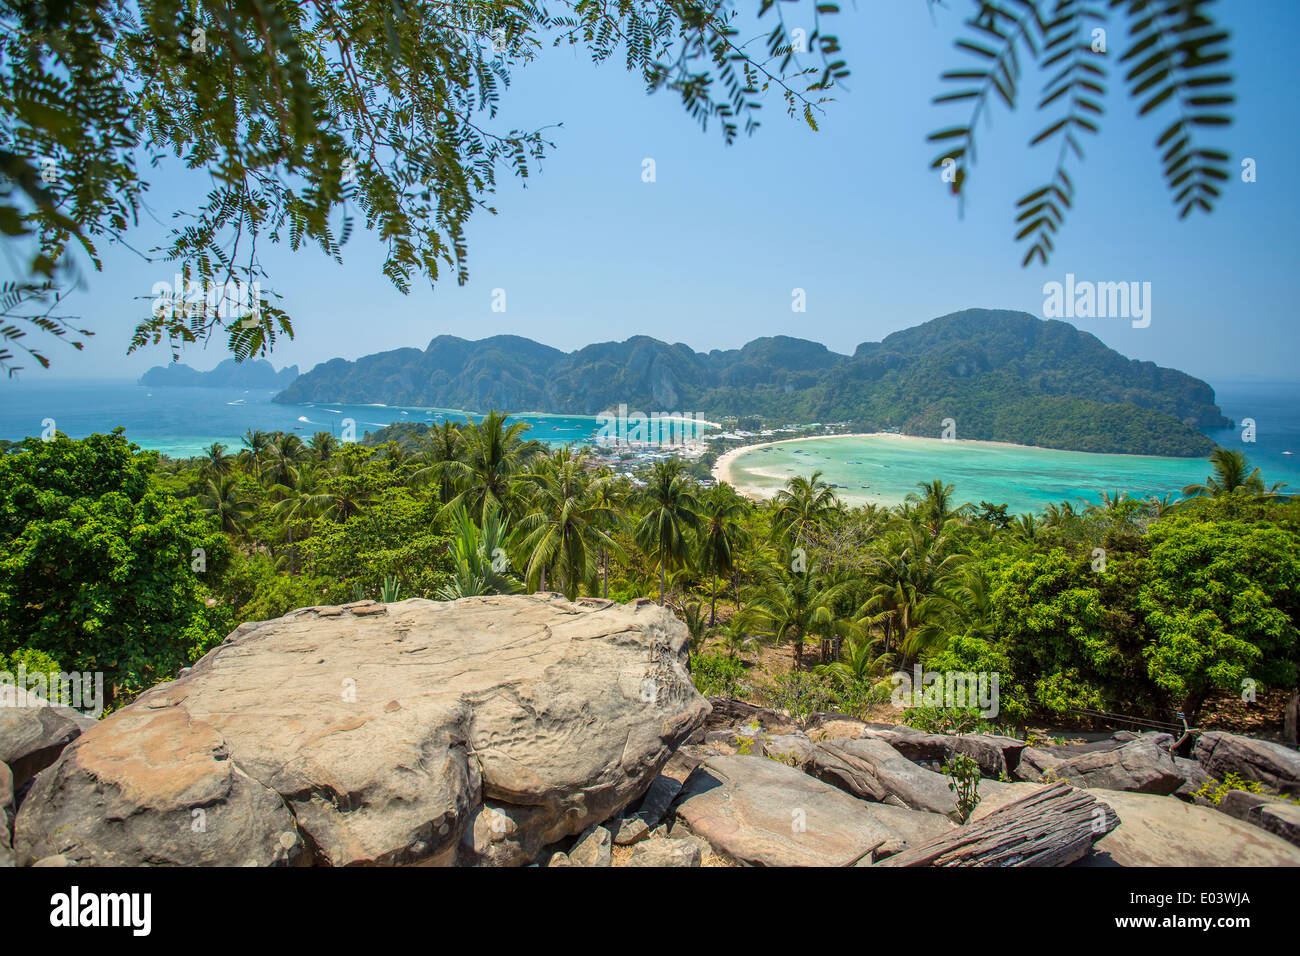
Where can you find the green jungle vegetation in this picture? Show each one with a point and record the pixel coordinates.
(116, 559)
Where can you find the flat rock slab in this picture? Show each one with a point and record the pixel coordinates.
(1165, 831)
(473, 731)
(873, 770)
(1274, 765)
(763, 813)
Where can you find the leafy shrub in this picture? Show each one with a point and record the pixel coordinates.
(801, 694)
(31, 660)
(716, 675)
(1214, 792)
(965, 782)
(953, 720)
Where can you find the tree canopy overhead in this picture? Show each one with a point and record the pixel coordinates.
(311, 117)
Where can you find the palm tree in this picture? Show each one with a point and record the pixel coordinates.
(438, 448)
(934, 505)
(793, 605)
(281, 458)
(670, 513)
(492, 457)
(693, 616)
(297, 501)
(858, 663)
(396, 458)
(1057, 516)
(341, 497)
(216, 462)
(802, 507)
(1231, 476)
(254, 442)
(322, 446)
(961, 604)
(1159, 505)
(562, 527)
(739, 633)
(720, 538)
(910, 570)
(222, 499)
(479, 557)
(1026, 527)
(613, 498)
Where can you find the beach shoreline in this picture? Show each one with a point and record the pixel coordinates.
(722, 468)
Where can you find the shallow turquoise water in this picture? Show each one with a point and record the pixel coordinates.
(181, 421)
(1026, 479)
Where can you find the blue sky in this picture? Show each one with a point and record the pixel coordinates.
(708, 253)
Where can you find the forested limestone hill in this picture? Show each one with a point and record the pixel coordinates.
(1002, 376)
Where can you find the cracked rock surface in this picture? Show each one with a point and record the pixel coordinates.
(475, 732)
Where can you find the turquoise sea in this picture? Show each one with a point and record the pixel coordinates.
(181, 421)
(885, 469)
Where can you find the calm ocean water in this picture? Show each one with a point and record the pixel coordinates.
(181, 421)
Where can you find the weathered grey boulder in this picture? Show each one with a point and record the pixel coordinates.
(1275, 766)
(1140, 766)
(794, 750)
(477, 731)
(1282, 819)
(828, 725)
(6, 816)
(1194, 778)
(728, 713)
(1035, 763)
(654, 806)
(594, 848)
(995, 755)
(1158, 831)
(1239, 803)
(33, 733)
(6, 801)
(762, 813)
(630, 830)
(872, 770)
(682, 851)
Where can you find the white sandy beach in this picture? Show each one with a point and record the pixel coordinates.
(722, 468)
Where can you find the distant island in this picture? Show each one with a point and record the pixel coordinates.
(999, 375)
(251, 373)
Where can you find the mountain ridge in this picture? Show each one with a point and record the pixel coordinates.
(1001, 375)
(251, 373)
